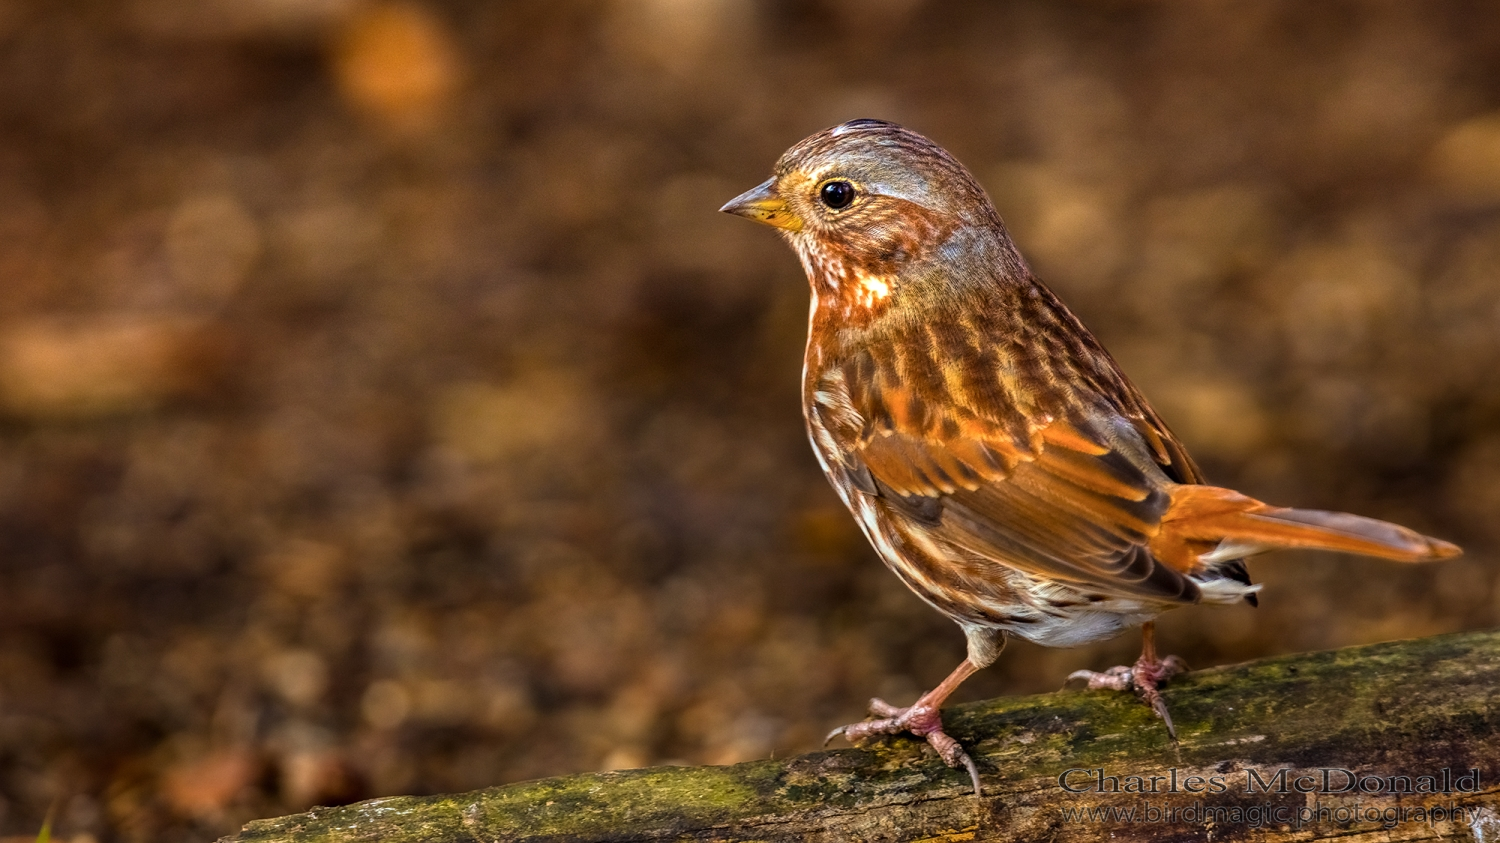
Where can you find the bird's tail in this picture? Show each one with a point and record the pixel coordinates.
(1207, 525)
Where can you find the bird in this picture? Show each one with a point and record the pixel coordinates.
(990, 449)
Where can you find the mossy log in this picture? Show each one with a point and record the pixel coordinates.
(1267, 751)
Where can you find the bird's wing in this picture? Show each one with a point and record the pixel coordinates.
(1060, 495)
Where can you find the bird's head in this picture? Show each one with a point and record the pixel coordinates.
(866, 200)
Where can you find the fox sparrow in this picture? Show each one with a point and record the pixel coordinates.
(990, 448)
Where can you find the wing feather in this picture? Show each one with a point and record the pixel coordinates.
(1066, 500)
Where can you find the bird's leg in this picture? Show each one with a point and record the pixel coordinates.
(922, 719)
(1144, 677)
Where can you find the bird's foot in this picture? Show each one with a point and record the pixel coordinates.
(1145, 677)
(920, 719)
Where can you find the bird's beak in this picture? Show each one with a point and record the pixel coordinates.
(760, 203)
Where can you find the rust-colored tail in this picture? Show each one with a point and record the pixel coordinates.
(1207, 524)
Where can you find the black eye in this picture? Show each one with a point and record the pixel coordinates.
(837, 194)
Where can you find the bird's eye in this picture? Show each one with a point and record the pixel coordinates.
(837, 194)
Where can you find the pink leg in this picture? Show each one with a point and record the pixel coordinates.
(922, 719)
(1144, 677)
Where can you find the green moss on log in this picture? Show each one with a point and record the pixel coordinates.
(1407, 707)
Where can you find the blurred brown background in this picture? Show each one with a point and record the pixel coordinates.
(387, 410)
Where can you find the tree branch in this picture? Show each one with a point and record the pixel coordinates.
(1410, 709)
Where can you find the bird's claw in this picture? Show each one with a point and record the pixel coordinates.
(923, 721)
(1117, 678)
(1145, 677)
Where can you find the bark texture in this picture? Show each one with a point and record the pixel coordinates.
(1408, 709)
